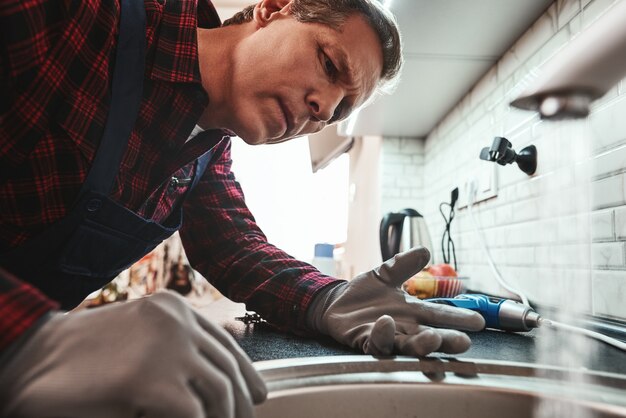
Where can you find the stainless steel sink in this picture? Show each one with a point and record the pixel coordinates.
(364, 387)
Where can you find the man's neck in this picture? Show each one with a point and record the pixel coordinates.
(216, 48)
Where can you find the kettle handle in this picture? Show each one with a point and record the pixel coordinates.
(389, 220)
(411, 212)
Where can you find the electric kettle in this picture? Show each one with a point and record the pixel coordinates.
(400, 231)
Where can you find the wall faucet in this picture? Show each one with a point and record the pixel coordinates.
(582, 72)
(501, 152)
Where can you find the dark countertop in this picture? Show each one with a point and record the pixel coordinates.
(261, 342)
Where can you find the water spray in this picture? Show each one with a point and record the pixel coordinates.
(509, 315)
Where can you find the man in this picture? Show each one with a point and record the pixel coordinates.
(114, 126)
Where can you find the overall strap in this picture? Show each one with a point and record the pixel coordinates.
(126, 93)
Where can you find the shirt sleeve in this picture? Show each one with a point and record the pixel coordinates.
(224, 243)
(21, 305)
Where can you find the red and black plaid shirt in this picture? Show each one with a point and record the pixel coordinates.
(56, 63)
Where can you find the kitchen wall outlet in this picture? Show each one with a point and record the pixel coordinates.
(482, 184)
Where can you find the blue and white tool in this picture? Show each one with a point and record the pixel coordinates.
(503, 314)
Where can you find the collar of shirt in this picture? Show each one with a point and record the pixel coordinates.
(176, 52)
(196, 130)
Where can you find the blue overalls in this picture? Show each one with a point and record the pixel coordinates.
(99, 238)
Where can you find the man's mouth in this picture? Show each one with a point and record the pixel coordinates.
(287, 115)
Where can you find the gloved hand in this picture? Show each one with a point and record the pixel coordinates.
(372, 313)
(154, 357)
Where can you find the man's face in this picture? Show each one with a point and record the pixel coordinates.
(291, 79)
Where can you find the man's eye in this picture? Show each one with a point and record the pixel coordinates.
(330, 68)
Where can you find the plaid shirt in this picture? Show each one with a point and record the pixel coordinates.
(55, 63)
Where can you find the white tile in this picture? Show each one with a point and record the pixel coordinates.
(520, 256)
(395, 192)
(609, 294)
(620, 223)
(503, 215)
(411, 146)
(526, 210)
(536, 36)
(409, 182)
(575, 228)
(414, 169)
(606, 100)
(417, 159)
(396, 159)
(568, 255)
(549, 50)
(602, 225)
(390, 144)
(592, 11)
(608, 126)
(417, 193)
(559, 287)
(392, 169)
(388, 181)
(395, 203)
(575, 25)
(610, 254)
(541, 232)
(526, 189)
(510, 174)
(608, 192)
(487, 84)
(566, 10)
(487, 219)
(610, 162)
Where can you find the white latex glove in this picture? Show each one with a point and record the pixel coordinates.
(372, 313)
(150, 358)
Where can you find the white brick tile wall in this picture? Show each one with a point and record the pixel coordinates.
(609, 254)
(402, 174)
(602, 225)
(609, 293)
(609, 163)
(573, 228)
(572, 255)
(595, 9)
(608, 192)
(620, 223)
(566, 11)
(608, 125)
(557, 235)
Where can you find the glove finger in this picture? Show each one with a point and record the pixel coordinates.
(444, 316)
(409, 328)
(214, 389)
(401, 267)
(381, 339)
(220, 357)
(453, 342)
(254, 382)
(186, 405)
(420, 344)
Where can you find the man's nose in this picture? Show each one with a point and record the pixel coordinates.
(322, 105)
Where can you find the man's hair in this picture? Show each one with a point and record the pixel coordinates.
(334, 14)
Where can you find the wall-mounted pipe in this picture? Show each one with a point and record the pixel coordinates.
(582, 72)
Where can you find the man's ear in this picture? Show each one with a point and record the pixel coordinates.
(268, 10)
